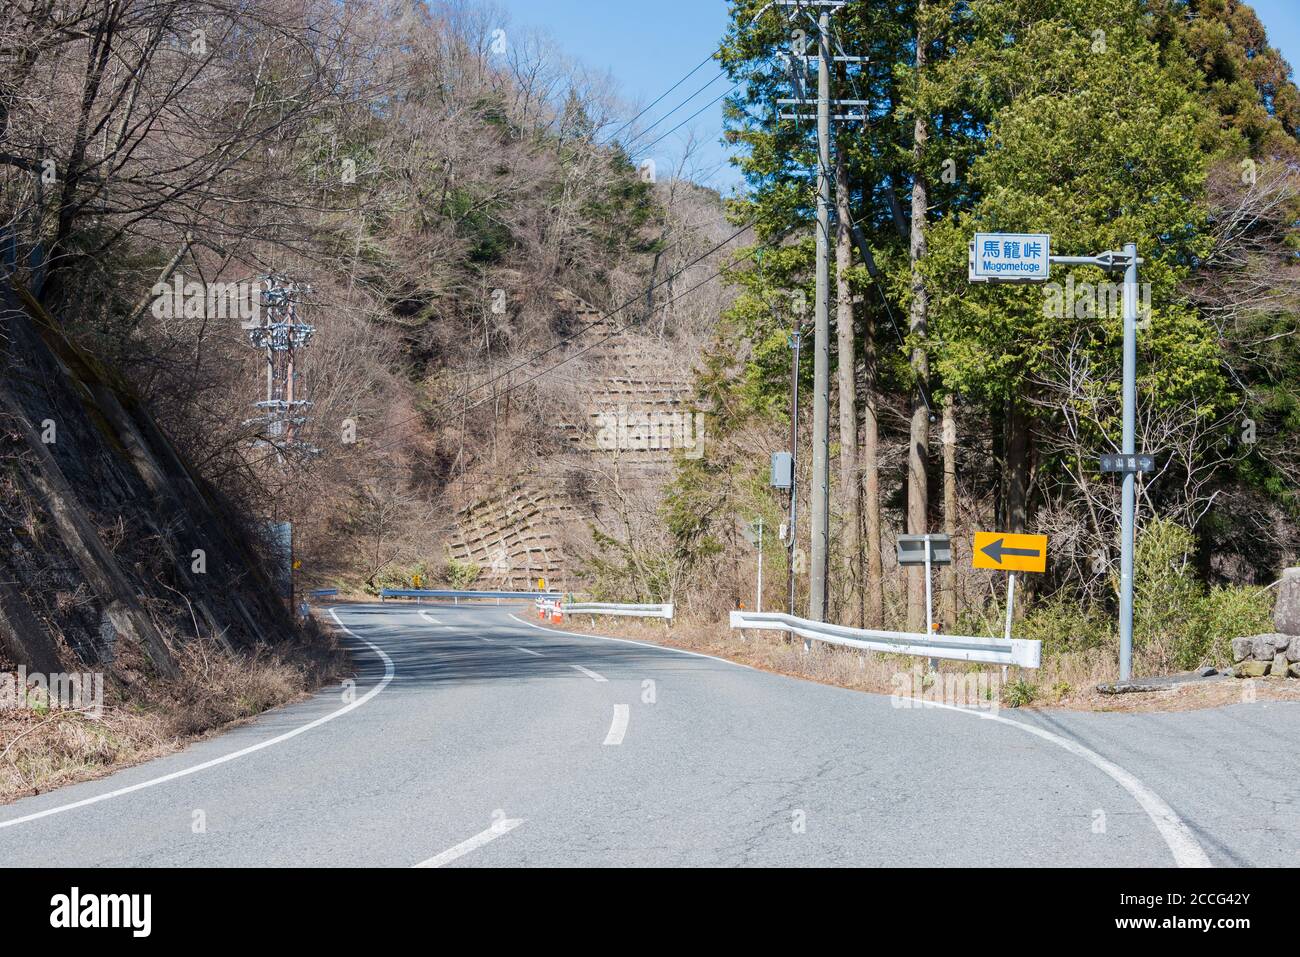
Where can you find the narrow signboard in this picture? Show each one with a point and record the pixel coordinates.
(1122, 464)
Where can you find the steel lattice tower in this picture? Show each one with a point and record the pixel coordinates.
(281, 334)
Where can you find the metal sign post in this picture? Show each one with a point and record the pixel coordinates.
(1129, 514)
(758, 599)
(1006, 257)
(1011, 601)
(934, 551)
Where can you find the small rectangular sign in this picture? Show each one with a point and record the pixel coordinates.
(911, 549)
(1124, 464)
(1011, 257)
(782, 470)
(1003, 551)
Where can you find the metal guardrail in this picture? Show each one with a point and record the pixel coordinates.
(994, 651)
(418, 594)
(630, 611)
(324, 592)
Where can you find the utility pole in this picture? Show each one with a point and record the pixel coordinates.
(821, 457)
(820, 491)
(792, 542)
(280, 334)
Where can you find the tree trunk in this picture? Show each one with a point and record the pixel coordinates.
(850, 488)
(875, 585)
(918, 492)
(951, 600)
(1017, 469)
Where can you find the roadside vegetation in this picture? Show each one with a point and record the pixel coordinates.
(959, 407)
(41, 749)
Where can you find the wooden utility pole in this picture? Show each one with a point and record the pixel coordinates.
(918, 491)
(850, 489)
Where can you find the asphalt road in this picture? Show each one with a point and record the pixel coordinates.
(474, 738)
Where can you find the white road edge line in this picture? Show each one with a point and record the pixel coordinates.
(429, 618)
(629, 641)
(389, 672)
(618, 727)
(589, 673)
(535, 654)
(1178, 836)
(473, 844)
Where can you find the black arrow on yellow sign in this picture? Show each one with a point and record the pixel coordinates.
(996, 549)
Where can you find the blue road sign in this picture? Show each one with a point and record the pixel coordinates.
(1011, 257)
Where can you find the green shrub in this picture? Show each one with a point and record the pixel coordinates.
(1178, 624)
(1229, 612)
(1019, 694)
(1063, 624)
(460, 575)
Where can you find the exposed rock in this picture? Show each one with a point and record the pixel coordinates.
(1251, 669)
(1294, 671)
(1279, 665)
(1293, 650)
(1286, 618)
(1241, 649)
(1265, 647)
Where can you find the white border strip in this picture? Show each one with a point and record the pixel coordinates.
(1186, 850)
(1182, 843)
(473, 844)
(389, 672)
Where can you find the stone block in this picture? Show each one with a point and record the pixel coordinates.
(1286, 618)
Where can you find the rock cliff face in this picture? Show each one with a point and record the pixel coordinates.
(113, 549)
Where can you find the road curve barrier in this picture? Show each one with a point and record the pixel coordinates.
(628, 611)
(456, 596)
(993, 651)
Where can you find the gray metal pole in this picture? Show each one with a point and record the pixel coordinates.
(1129, 505)
(822, 358)
(758, 602)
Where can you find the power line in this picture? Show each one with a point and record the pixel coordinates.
(665, 95)
(706, 106)
(720, 76)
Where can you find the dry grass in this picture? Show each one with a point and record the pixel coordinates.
(41, 749)
(1067, 681)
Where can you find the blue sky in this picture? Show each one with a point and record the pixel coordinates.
(647, 45)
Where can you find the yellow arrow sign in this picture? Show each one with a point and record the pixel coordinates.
(1002, 551)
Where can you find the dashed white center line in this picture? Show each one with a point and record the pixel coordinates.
(618, 727)
(429, 618)
(473, 844)
(536, 654)
(589, 673)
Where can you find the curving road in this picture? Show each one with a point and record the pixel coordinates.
(475, 738)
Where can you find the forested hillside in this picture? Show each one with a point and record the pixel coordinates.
(1169, 123)
(443, 201)
(491, 269)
